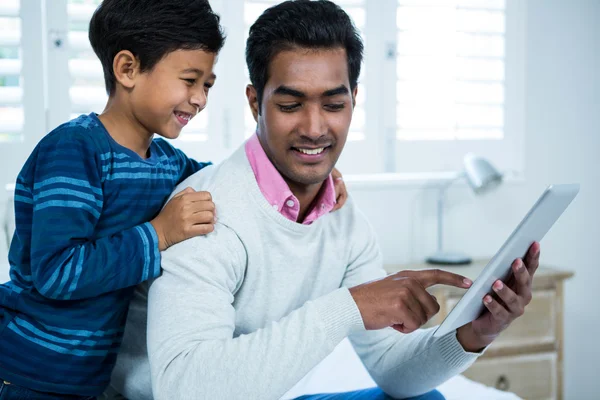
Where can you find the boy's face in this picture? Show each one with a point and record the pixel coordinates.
(165, 98)
(306, 113)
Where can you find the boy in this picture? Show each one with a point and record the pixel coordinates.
(89, 224)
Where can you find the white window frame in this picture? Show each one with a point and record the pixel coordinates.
(46, 99)
(57, 48)
(381, 152)
(13, 154)
(507, 154)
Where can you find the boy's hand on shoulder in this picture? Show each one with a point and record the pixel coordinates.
(187, 214)
(341, 193)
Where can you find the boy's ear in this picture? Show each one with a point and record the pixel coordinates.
(126, 67)
(252, 101)
(354, 93)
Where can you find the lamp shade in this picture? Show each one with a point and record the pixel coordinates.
(481, 175)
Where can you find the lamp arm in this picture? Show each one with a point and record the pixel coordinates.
(440, 208)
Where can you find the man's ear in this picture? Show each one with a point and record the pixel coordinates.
(354, 93)
(252, 101)
(126, 68)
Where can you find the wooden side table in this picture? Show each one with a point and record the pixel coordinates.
(527, 358)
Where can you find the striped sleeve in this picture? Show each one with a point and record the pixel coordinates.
(67, 260)
(187, 166)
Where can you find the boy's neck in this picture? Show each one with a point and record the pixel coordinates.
(124, 128)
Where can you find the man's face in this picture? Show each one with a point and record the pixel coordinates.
(305, 113)
(174, 91)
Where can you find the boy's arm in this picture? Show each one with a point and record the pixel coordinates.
(67, 260)
(192, 346)
(189, 166)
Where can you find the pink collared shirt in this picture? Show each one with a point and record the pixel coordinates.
(278, 193)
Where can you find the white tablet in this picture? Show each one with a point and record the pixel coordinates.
(535, 225)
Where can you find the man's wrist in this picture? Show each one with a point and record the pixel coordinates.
(471, 341)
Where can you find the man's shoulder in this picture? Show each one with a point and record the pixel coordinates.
(350, 216)
(203, 180)
(225, 178)
(219, 252)
(350, 225)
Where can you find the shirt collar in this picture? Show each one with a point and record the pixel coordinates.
(278, 193)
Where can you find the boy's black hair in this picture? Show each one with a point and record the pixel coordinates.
(301, 24)
(151, 29)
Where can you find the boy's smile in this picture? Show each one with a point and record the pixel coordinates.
(182, 117)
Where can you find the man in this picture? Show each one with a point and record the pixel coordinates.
(248, 310)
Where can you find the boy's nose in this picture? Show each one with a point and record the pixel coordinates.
(199, 100)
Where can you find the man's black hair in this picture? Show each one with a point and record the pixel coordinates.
(301, 24)
(151, 29)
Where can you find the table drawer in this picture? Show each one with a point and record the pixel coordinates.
(532, 376)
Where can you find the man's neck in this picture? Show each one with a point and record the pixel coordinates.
(306, 195)
(124, 128)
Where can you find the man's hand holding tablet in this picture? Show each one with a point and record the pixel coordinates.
(510, 303)
(501, 292)
(497, 297)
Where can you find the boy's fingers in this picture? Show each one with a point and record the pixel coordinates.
(184, 191)
(341, 193)
(200, 196)
(336, 174)
(203, 217)
(200, 206)
(431, 277)
(201, 229)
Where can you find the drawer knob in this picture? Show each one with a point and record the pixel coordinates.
(503, 383)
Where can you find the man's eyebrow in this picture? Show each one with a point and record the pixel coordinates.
(286, 90)
(342, 89)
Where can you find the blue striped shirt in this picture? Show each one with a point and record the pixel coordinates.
(82, 242)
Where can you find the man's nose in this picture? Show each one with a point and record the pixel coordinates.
(314, 123)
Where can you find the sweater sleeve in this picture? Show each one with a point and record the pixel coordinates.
(193, 348)
(402, 365)
(67, 261)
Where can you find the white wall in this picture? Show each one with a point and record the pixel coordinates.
(562, 145)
